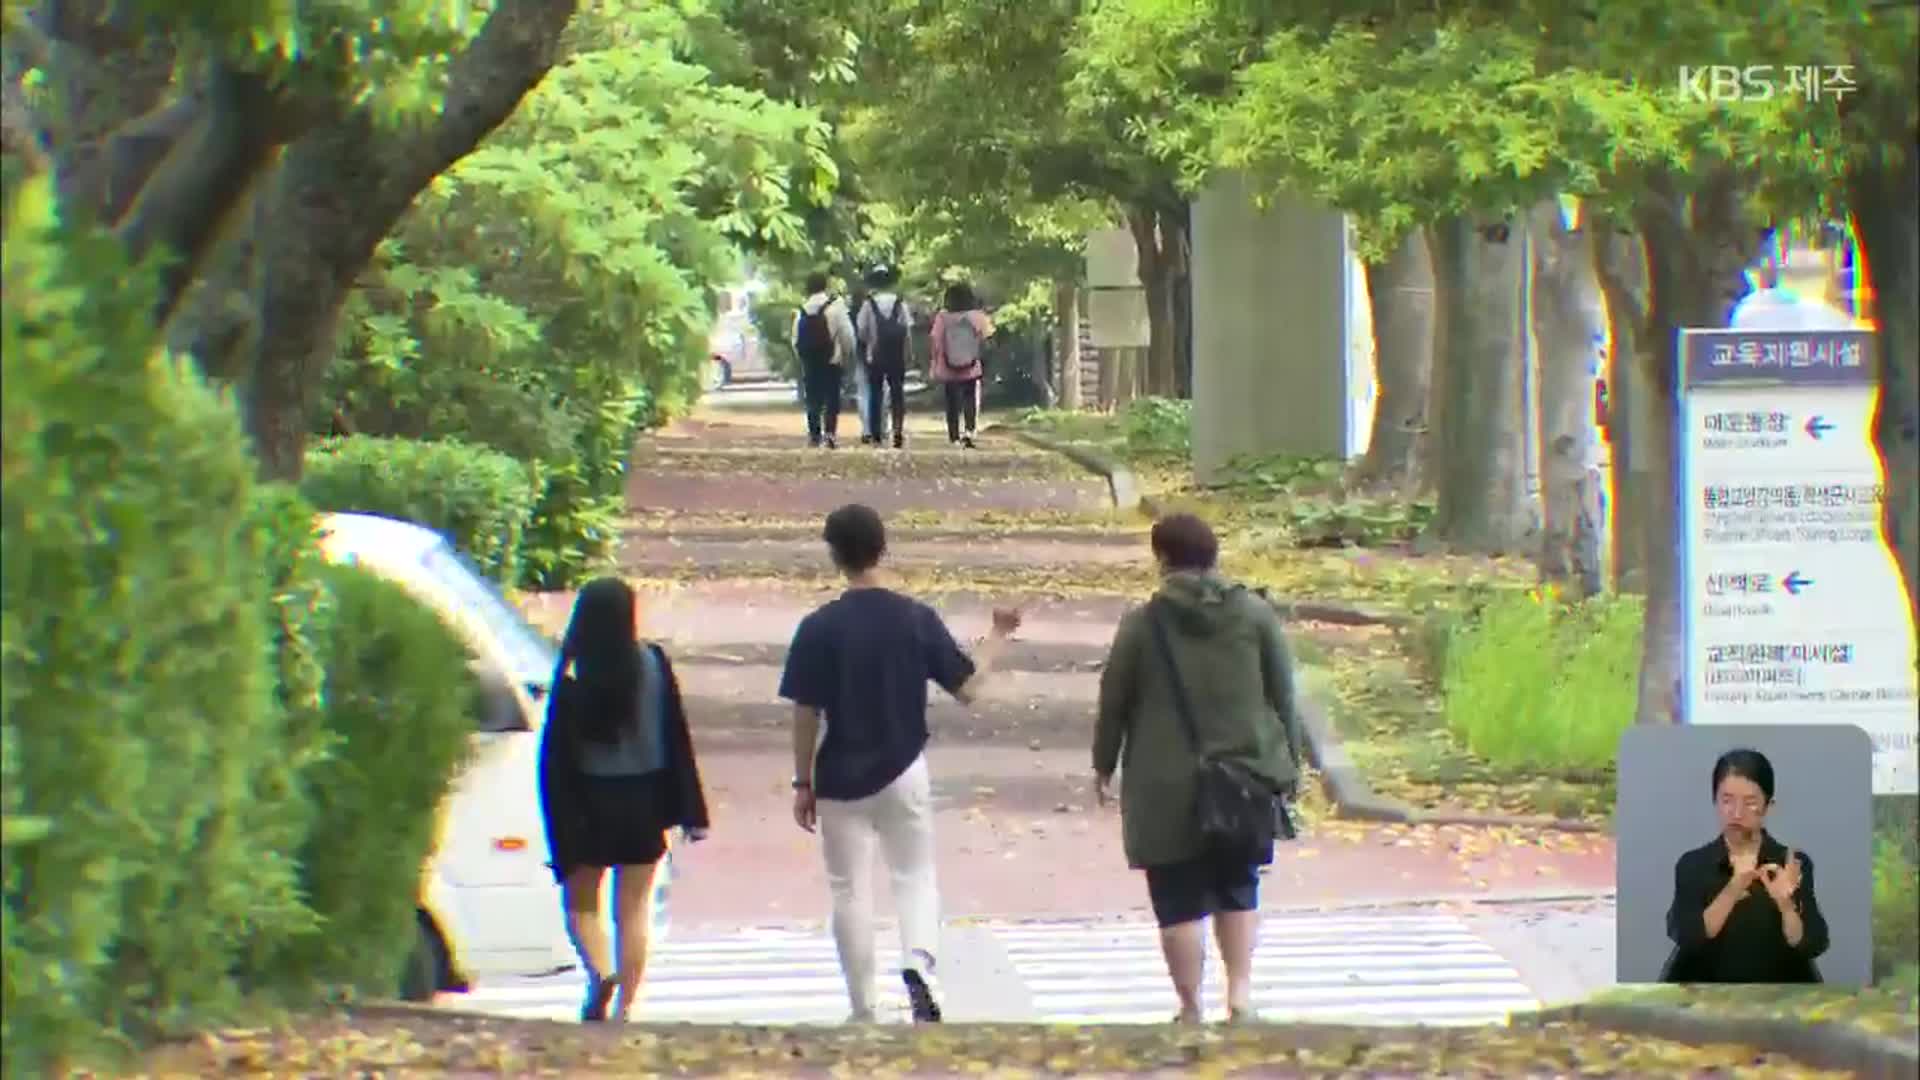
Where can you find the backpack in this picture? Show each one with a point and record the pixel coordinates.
(889, 335)
(962, 341)
(813, 339)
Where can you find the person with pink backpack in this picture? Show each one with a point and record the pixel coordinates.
(960, 333)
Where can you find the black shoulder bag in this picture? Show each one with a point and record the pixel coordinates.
(1238, 813)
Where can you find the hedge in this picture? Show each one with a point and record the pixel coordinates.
(400, 708)
(481, 499)
(137, 695)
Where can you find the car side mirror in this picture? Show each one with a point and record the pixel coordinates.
(497, 707)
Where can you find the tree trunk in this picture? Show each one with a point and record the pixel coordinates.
(1066, 321)
(1619, 262)
(1569, 330)
(1177, 229)
(1479, 273)
(341, 189)
(1400, 289)
(1039, 350)
(1697, 256)
(1881, 195)
(1429, 450)
(1156, 279)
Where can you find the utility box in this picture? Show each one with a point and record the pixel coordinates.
(1273, 370)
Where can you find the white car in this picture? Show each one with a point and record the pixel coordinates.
(488, 904)
(735, 352)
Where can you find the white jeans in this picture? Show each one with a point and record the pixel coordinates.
(900, 819)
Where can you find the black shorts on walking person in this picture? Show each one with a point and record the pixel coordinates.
(1195, 889)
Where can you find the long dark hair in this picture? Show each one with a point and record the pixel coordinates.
(602, 646)
(960, 297)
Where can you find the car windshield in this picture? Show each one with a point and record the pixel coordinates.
(530, 652)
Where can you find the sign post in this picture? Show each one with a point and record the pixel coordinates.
(1794, 607)
(1116, 301)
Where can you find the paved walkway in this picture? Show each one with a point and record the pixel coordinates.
(1416, 967)
(723, 542)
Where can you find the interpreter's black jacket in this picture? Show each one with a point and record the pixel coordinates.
(560, 777)
(1751, 946)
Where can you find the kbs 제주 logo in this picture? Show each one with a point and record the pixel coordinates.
(1725, 83)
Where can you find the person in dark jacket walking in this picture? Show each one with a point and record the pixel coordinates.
(885, 329)
(617, 772)
(823, 339)
(1233, 660)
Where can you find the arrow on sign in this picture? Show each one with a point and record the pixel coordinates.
(1794, 583)
(1817, 426)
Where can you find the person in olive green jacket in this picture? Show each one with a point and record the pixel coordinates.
(1234, 662)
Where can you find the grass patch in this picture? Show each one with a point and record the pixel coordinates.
(1391, 724)
(1534, 682)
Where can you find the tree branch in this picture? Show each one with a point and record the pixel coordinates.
(194, 169)
(341, 189)
(513, 51)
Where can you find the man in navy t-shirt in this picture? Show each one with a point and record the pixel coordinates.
(857, 675)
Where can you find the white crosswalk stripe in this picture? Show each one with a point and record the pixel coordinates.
(1427, 969)
(1354, 968)
(748, 977)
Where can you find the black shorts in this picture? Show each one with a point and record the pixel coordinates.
(626, 819)
(1184, 892)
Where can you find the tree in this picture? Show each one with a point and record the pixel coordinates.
(370, 102)
(1400, 290)
(939, 129)
(1495, 108)
(1569, 325)
(550, 292)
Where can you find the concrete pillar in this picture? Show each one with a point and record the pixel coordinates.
(1272, 368)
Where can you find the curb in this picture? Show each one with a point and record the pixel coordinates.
(1354, 800)
(1821, 1045)
(1122, 488)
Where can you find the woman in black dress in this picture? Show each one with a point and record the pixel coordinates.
(616, 773)
(1743, 906)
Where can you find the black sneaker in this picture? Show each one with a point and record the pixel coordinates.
(967, 443)
(899, 442)
(920, 995)
(832, 443)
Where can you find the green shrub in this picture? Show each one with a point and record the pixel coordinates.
(1159, 428)
(400, 702)
(1533, 681)
(136, 668)
(480, 498)
(573, 433)
(575, 529)
(1283, 474)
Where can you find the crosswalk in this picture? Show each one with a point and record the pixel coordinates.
(1356, 968)
(760, 976)
(1373, 969)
